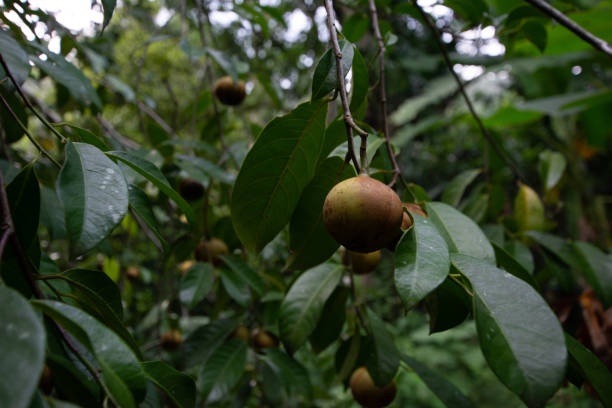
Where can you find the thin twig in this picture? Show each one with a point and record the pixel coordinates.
(483, 130)
(596, 42)
(110, 130)
(211, 80)
(348, 118)
(156, 118)
(28, 134)
(383, 92)
(27, 101)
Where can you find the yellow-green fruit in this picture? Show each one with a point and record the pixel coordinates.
(191, 190)
(229, 92)
(242, 333)
(367, 394)
(362, 263)
(210, 251)
(262, 339)
(171, 339)
(362, 213)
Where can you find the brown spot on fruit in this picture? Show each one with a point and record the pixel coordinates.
(362, 213)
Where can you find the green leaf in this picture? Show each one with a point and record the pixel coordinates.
(309, 241)
(68, 75)
(329, 326)
(72, 383)
(521, 253)
(384, 361)
(292, 374)
(52, 213)
(536, 34)
(302, 307)
(23, 195)
(120, 367)
(222, 370)
(360, 80)
(471, 10)
(456, 187)
(507, 262)
(422, 261)
(149, 171)
(597, 270)
(275, 172)
(225, 63)
(196, 284)
(325, 78)
(519, 335)
(22, 341)
(245, 273)
(94, 194)
(450, 395)
(119, 86)
(354, 27)
(15, 57)
(203, 341)
(560, 247)
(591, 368)
(178, 386)
(448, 306)
(109, 7)
(528, 210)
(140, 204)
(12, 131)
(461, 234)
(80, 134)
(551, 167)
(235, 286)
(207, 167)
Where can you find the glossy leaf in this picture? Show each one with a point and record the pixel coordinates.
(52, 213)
(140, 204)
(421, 261)
(23, 195)
(551, 168)
(245, 273)
(223, 370)
(384, 361)
(119, 364)
(309, 241)
(448, 306)
(109, 8)
(528, 210)
(329, 326)
(15, 57)
(71, 382)
(235, 286)
(207, 167)
(275, 172)
(510, 264)
(203, 341)
(521, 253)
(98, 283)
(177, 385)
(450, 395)
(597, 270)
(560, 247)
(12, 131)
(22, 341)
(591, 368)
(456, 187)
(94, 194)
(149, 171)
(196, 284)
(360, 81)
(325, 77)
(79, 134)
(293, 375)
(519, 335)
(303, 304)
(461, 234)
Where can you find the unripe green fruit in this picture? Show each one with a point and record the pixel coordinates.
(362, 263)
(229, 92)
(362, 213)
(191, 190)
(367, 394)
(210, 251)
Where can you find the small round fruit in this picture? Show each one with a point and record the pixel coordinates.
(362, 263)
(171, 339)
(367, 394)
(185, 266)
(210, 251)
(229, 92)
(242, 333)
(262, 339)
(46, 380)
(362, 213)
(191, 190)
(133, 273)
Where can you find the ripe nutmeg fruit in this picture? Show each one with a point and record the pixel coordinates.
(362, 263)
(262, 339)
(229, 92)
(210, 251)
(191, 190)
(362, 213)
(242, 333)
(367, 394)
(171, 339)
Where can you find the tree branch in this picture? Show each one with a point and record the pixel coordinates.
(348, 118)
(596, 42)
(483, 130)
(382, 90)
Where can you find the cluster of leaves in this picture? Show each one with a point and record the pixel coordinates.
(104, 199)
